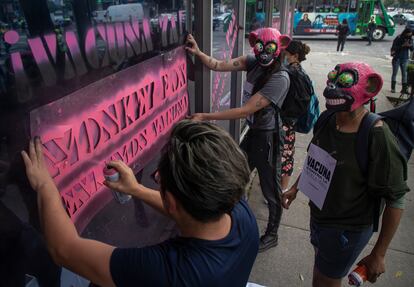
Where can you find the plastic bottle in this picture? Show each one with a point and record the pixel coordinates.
(111, 174)
(358, 276)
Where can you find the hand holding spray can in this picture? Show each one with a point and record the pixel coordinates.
(358, 276)
(111, 174)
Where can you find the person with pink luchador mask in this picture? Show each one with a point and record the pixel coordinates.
(264, 91)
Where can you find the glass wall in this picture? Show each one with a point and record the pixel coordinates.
(276, 15)
(225, 29)
(255, 15)
(97, 80)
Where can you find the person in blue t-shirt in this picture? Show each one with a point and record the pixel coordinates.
(202, 175)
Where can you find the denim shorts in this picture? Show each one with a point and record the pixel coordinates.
(337, 249)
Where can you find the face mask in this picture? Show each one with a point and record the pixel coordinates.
(285, 61)
(336, 95)
(265, 54)
(347, 86)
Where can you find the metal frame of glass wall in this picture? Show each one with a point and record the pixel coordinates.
(203, 17)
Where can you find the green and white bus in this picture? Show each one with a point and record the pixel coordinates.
(322, 16)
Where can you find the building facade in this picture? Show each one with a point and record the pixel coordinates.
(101, 80)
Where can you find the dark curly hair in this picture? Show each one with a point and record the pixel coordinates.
(297, 47)
(204, 169)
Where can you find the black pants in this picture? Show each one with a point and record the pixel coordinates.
(341, 43)
(263, 150)
(369, 37)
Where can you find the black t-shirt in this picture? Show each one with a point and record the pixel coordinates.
(190, 261)
(349, 203)
(343, 30)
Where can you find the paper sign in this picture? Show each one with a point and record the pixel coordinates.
(317, 174)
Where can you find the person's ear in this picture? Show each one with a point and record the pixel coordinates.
(374, 84)
(253, 38)
(284, 41)
(170, 203)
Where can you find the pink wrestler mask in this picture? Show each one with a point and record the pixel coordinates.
(267, 44)
(350, 86)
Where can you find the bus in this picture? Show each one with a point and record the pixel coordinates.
(322, 16)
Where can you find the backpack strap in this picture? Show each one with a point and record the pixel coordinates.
(362, 140)
(322, 121)
(362, 154)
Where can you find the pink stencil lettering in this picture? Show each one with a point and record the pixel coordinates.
(132, 37)
(173, 30)
(42, 61)
(147, 44)
(220, 78)
(11, 37)
(102, 34)
(181, 21)
(90, 48)
(51, 44)
(163, 21)
(120, 40)
(113, 51)
(22, 83)
(124, 116)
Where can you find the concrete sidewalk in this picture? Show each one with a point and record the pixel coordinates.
(290, 264)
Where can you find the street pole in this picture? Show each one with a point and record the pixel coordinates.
(269, 4)
(237, 77)
(203, 35)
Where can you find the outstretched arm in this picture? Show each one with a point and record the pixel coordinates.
(89, 258)
(255, 103)
(237, 64)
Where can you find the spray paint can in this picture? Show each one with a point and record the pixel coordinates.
(358, 276)
(111, 174)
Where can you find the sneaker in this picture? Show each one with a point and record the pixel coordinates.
(393, 91)
(267, 241)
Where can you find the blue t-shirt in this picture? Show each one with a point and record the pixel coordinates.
(190, 261)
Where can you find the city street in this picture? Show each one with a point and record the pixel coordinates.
(290, 264)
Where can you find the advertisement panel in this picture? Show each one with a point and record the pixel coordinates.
(322, 23)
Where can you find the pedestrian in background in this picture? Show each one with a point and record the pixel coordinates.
(370, 29)
(294, 55)
(342, 31)
(401, 46)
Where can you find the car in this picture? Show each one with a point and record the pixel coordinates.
(222, 17)
(402, 18)
(410, 24)
(216, 23)
(125, 12)
(219, 20)
(99, 16)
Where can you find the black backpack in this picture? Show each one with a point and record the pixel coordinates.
(400, 121)
(296, 103)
